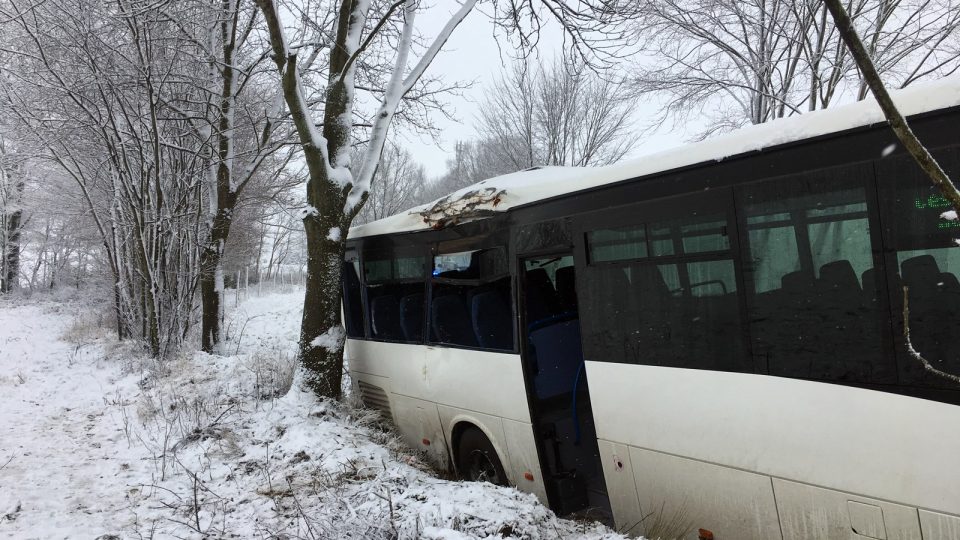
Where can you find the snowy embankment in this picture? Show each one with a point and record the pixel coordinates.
(97, 441)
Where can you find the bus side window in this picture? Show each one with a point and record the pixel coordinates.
(664, 294)
(395, 297)
(810, 261)
(471, 300)
(928, 264)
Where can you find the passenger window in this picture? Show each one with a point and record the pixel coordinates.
(697, 235)
(352, 302)
(617, 244)
(811, 266)
(471, 300)
(676, 307)
(395, 297)
(931, 276)
(775, 252)
(928, 263)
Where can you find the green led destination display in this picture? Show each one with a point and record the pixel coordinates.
(938, 202)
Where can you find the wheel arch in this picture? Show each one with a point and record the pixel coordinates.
(463, 423)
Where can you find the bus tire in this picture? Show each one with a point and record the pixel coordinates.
(477, 460)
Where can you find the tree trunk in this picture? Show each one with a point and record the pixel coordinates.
(323, 365)
(211, 300)
(211, 279)
(10, 280)
(11, 265)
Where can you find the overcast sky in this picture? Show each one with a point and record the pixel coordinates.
(472, 54)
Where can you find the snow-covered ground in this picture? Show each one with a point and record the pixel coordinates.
(98, 441)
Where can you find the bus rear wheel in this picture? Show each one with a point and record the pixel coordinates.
(477, 460)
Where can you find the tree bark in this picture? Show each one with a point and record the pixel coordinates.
(323, 366)
(10, 280)
(12, 264)
(211, 271)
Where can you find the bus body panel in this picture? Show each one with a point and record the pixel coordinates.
(812, 512)
(427, 401)
(621, 487)
(936, 525)
(678, 496)
(523, 457)
(847, 439)
(437, 374)
(419, 424)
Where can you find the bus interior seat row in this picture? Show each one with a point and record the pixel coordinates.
(795, 326)
(803, 321)
(486, 324)
(934, 301)
(657, 325)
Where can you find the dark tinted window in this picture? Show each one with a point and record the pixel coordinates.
(395, 296)
(928, 263)
(352, 302)
(663, 293)
(471, 300)
(809, 260)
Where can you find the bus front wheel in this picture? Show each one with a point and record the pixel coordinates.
(477, 460)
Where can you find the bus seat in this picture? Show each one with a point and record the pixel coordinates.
(840, 278)
(451, 321)
(839, 295)
(839, 303)
(491, 321)
(794, 327)
(933, 310)
(920, 272)
(567, 288)
(950, 281)
(385, 317)
(411, 316)
(798, 282)
(558, 357)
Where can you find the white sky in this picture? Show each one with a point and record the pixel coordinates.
(472, 54)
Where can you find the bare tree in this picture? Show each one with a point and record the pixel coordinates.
(557, 114)
(338, 187)
(750, 62)
(92, 87)
(472, 162)
(239, 149)
(165, 118)
(397, 185)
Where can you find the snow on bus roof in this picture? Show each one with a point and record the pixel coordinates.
(528, 186)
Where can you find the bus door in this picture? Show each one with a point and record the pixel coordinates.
(557, 386)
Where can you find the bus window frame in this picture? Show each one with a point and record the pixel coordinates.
(395, 252)
(494, 240)
(718, 201)
(867, 174)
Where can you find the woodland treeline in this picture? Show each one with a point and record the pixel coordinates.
(157, 148)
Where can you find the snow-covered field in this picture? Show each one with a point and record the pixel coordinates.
(98, 441)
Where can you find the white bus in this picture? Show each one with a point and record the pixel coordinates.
(706, 342)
